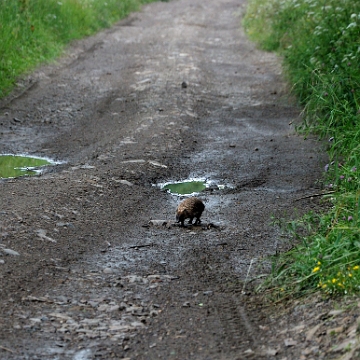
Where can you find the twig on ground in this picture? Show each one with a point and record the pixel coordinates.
(247, 275)
(140, 246)
(7, 349)
(314, 195)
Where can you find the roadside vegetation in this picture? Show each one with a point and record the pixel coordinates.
(319, 42)
(36, 31)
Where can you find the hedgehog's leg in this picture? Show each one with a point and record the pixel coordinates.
(198, 221)
(191, 220)
(182, 219)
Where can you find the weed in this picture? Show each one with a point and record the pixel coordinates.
(319, 44)
(32, 32)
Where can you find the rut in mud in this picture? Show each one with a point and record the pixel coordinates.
(172, 93)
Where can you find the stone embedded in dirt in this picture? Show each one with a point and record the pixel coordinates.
(352, 330)
(298, 329)
(35, 320)
(290, 342)
(136, 279)
(2, 261)
(60, 316)
(41, 233)
(124, 182)
(310, 350)
(156, 163)
(84, 167)
(10, 252)
(108, 271)
(310, 333)
(160, 222)
(35, 298)
(270, 352)
(335, 312)
(134, 161)
(249, 352)
(208, 292)
(90, 322)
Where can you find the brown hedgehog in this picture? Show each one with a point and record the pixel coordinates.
(190, 208)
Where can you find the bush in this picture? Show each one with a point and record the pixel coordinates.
(33, 31)
(319, 44)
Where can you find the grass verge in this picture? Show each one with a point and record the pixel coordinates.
(320, 46)
(35, 31)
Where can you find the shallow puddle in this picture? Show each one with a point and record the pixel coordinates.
(186, 187)
(12, 166)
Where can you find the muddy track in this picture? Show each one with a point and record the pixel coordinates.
(174, 92)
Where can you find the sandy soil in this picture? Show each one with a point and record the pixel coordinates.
(174, 92)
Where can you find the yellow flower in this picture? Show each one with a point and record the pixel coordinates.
(317, 268)
(350, 274)
(324, 286)
(319, 262)
(333, 281)
(340, 284)
(356, 267)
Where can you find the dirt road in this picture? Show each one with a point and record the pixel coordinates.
(171, 93)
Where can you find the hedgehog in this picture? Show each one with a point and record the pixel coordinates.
(190, 208)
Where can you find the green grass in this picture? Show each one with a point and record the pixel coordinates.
(35, 31)
(319, 42)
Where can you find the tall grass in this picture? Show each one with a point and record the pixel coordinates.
(319, 42)
(33, 31)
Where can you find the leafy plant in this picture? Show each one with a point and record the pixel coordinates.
(32, 32)
(319, 44)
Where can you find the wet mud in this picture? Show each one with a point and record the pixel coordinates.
(87, 271)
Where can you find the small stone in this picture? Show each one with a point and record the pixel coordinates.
(271, 352)
(310, 334)
(186, 304)
(249, 352)
(113, 308)
(156, 163)
(108, 271)
(35, 320)
(60, 316)
(290, 342)
(125, 182)
(10, 252)
(335, 312)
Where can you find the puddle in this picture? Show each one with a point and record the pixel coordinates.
(190, 186)
(12, 166)
(185, 187)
